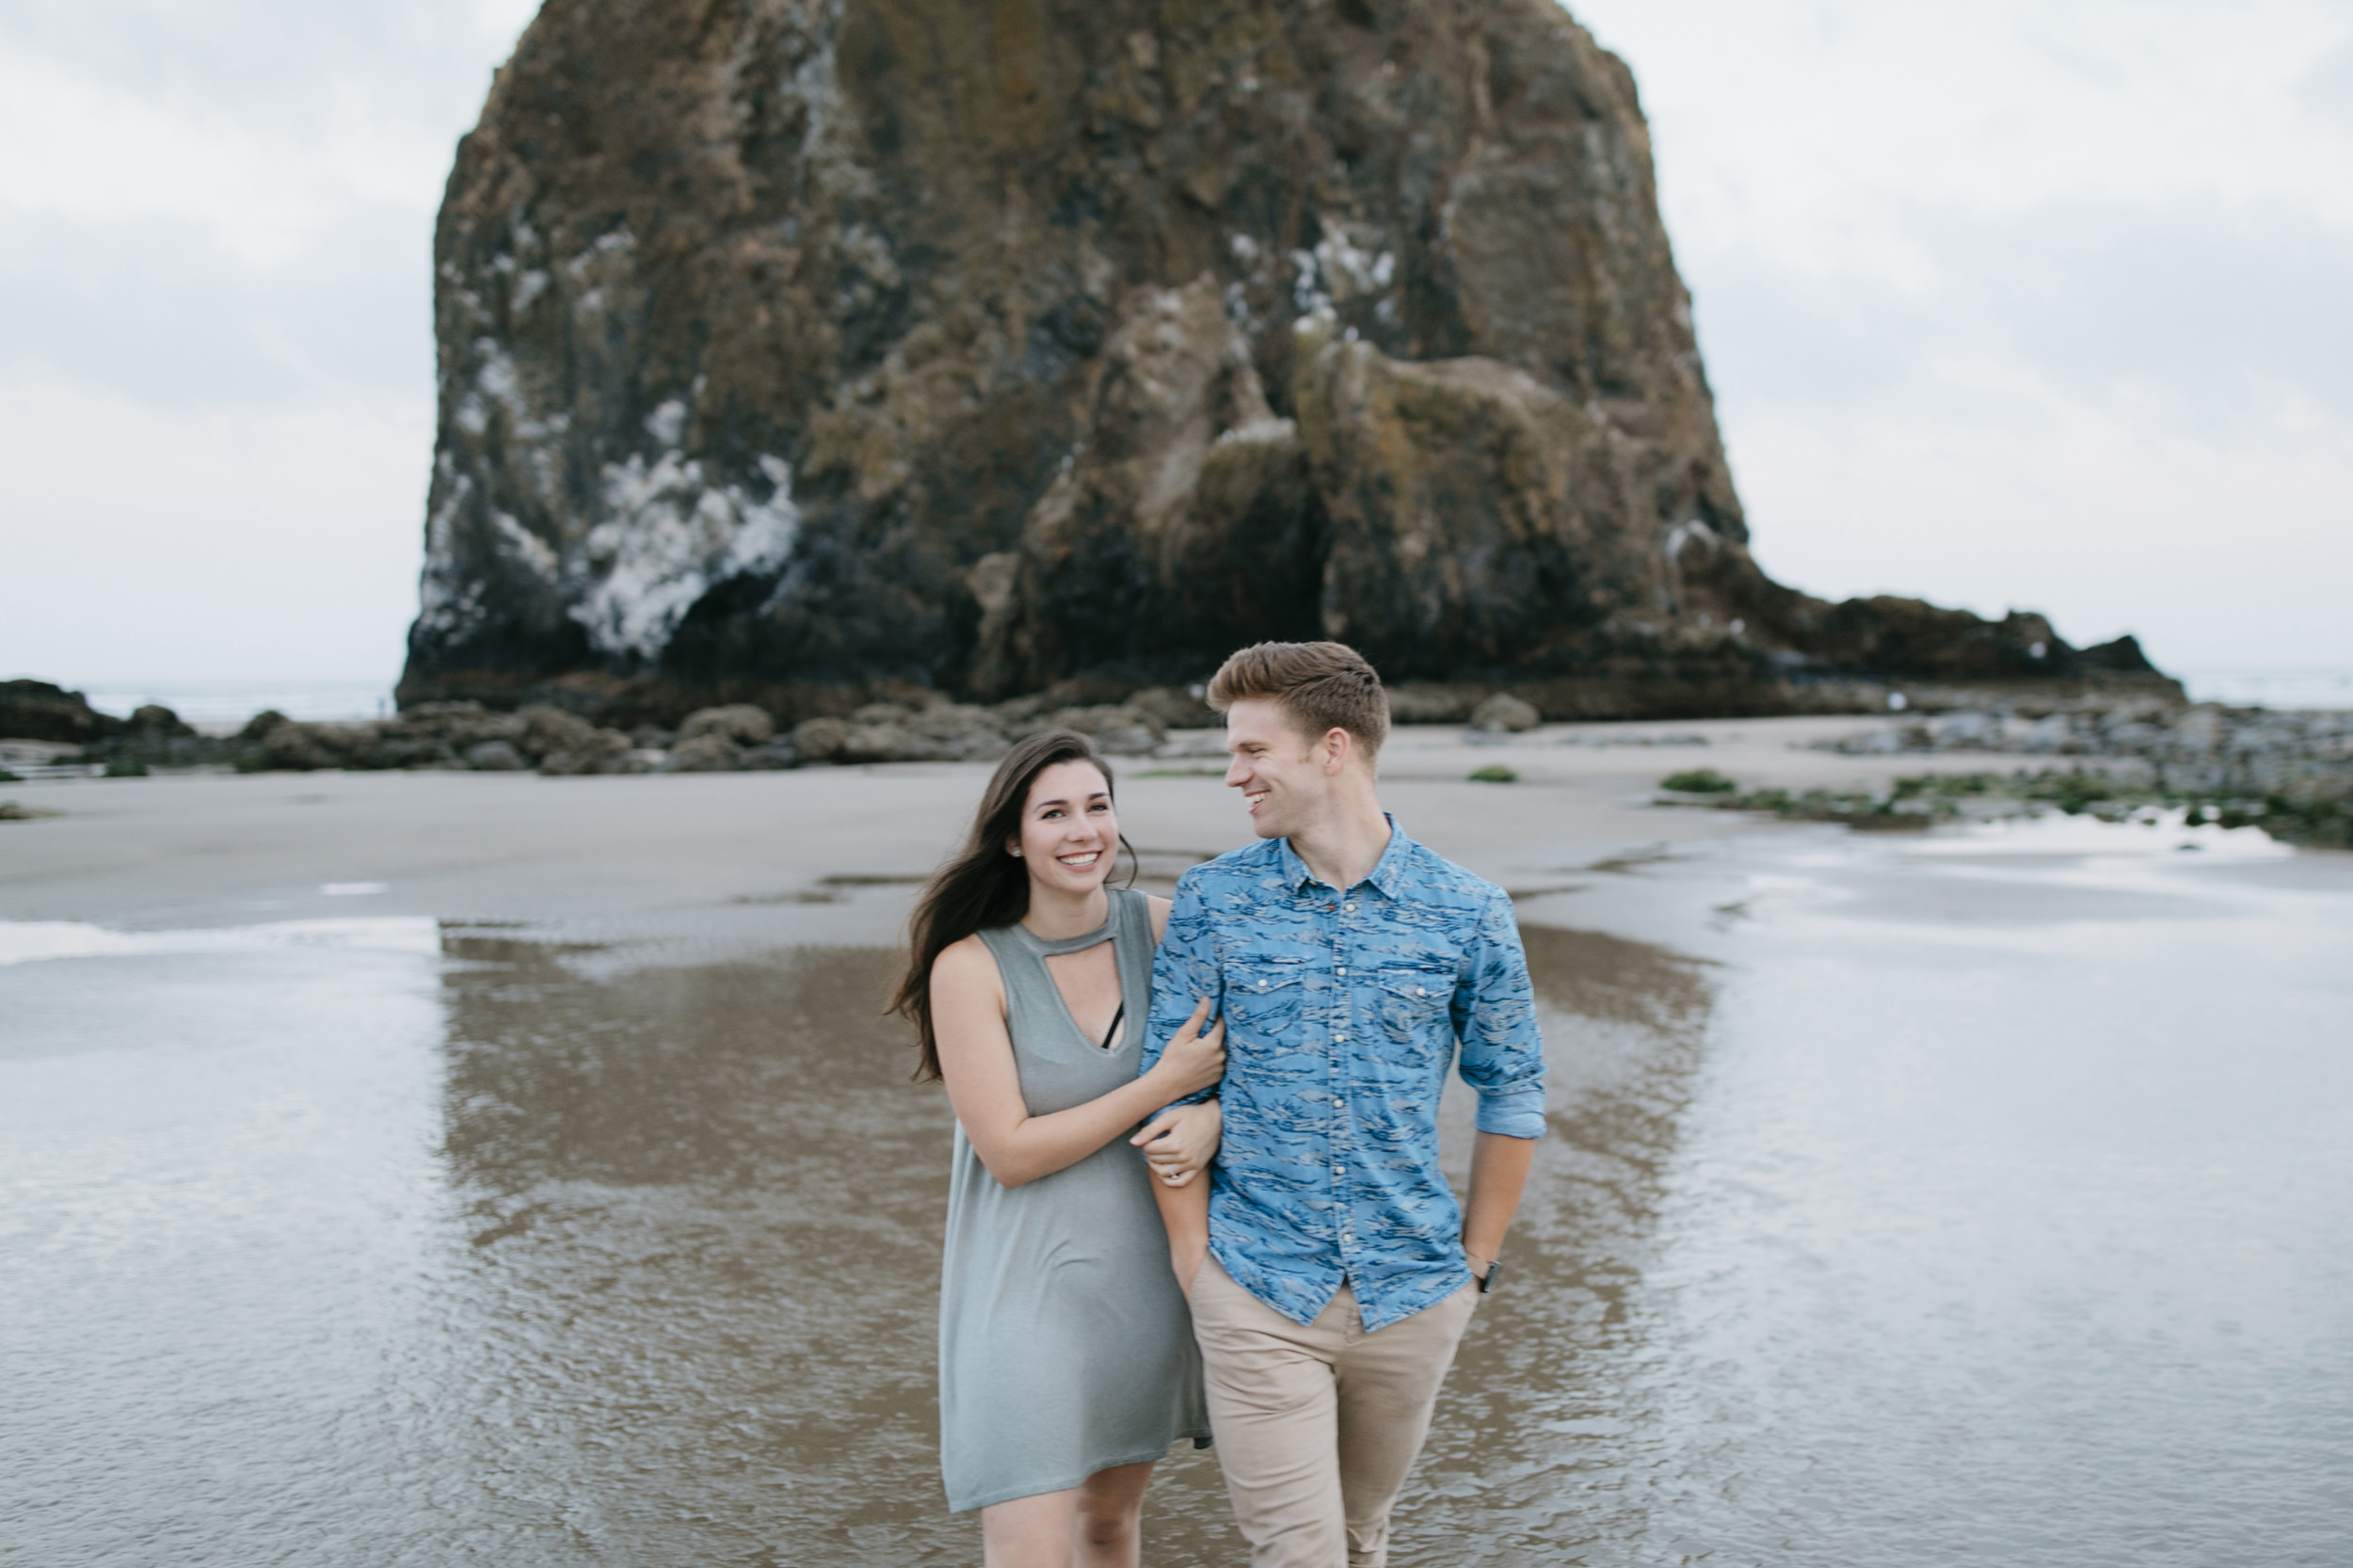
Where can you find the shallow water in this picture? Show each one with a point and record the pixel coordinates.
(1976, 1197)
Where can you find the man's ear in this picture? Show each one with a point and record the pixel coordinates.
(1335, 745)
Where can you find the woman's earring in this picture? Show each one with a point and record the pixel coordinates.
(1017, 854)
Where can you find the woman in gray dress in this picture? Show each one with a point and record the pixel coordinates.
(1066, 1358)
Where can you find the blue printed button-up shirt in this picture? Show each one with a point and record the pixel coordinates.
(1342, 1015)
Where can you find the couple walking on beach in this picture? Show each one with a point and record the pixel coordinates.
(1294, 1012)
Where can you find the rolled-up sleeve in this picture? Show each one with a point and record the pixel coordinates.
(1184, 970)
(1494, 1017)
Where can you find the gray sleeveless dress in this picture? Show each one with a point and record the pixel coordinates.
(1064, 1345)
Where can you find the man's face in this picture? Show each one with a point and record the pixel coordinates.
(1283, 776)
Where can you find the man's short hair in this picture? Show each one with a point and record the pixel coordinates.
(1319, 687)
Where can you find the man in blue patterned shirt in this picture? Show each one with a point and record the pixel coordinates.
(1330, 1269)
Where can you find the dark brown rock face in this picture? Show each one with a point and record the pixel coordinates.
(792, 348)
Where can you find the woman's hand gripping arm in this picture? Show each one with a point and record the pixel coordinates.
(984, 1086)
(1180, 1142)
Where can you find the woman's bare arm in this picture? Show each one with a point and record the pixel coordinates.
(1185, 1211)
(976, 1061)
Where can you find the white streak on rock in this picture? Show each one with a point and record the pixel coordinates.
(1350, 272)
(523, 545)
(1683, 534)
(448, 602)
(667, 537)
(667, 422)
(1259, 432)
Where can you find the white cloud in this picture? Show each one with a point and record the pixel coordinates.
(2033, 304)
(194, 546)
(215, 328)
(2116, 515)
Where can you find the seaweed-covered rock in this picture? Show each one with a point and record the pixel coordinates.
(1169, 708)
(495, 757)
(604, 751)
(822, 740)
(740, 724)
(306, 747)
(37, 711)
(706, 751)
(152, 721)
(564, 743)
(1117, 729)
(1505, 712)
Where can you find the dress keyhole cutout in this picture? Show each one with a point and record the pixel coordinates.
(1088, 981)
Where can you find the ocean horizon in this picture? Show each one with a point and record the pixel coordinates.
(211, 704)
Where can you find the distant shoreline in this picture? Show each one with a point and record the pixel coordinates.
(223, 708)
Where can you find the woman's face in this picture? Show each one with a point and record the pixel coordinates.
(1069, 834)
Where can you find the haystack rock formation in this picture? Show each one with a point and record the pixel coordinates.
(802, 351)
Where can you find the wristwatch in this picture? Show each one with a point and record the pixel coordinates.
(1487, 1280)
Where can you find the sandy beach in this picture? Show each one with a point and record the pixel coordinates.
(733, 857)
(418, 1168)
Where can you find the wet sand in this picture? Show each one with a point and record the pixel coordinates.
(1972, 1196)
(817, 854)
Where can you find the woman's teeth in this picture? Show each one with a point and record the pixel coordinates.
(1081, 862)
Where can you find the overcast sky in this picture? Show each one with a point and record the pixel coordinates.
(2042, 304)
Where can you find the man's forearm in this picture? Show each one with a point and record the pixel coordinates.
(1498, 1172)
(1185, 1211)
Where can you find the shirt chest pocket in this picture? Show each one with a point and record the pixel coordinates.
(1412, 1005)
(1264, 1001)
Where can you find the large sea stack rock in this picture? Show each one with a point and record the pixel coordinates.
(795, 350)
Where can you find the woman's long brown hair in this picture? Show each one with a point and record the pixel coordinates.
(982, 888)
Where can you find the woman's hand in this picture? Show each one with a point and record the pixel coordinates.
(1193, 1060)
(1179, 1142)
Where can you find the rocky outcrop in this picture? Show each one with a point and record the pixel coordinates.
(153, 736)
(731, 738)
(812, 352)
(37, 711)
(2202, 749)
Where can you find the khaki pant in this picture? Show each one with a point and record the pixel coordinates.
(1317, 1426)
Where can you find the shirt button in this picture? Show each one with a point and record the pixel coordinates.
(1339, 1039)
(1351, 909)
(1343, 971)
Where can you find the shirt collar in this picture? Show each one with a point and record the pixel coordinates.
(1389, 873)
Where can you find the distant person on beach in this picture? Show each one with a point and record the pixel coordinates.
(1067, 1357)
(1330, 1271)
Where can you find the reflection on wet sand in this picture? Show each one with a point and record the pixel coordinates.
(692, 1315)
(701, 1300)
(1981, 1196)
(1510, 1475)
